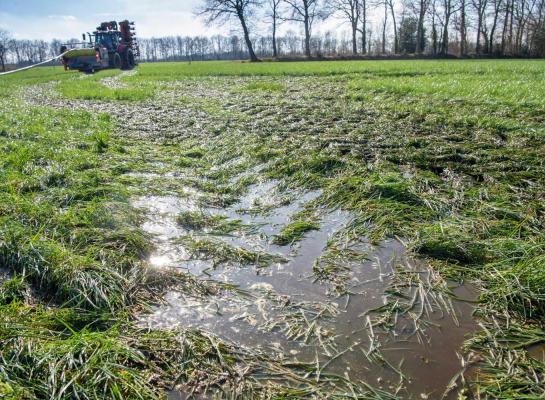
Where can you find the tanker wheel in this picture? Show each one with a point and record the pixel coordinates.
(128, 59)
(117, 61)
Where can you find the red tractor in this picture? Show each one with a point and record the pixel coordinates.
(112, 45)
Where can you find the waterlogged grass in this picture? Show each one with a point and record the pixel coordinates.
(220, 253)
(507, 370)
(294, 232)
(213, 224)
(444, 154)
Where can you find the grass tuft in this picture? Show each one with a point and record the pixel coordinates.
(294, 232)
(220, 253)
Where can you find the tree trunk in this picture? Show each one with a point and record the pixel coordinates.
(307, 35)
(434, 38)
(396, 39)
(444, 40)
(479, 28)
(493, 28)
(364, 28)
(275, 48)
(463, 39)
(384, 28)
(504, 31)
(420, 28)
(511, 26)
(3, 64)
(354, 38)
(249, 44)
(522, 20)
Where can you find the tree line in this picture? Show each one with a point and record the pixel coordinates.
(513, 28)
(436, 27)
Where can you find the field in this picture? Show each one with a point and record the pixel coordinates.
(359, 229)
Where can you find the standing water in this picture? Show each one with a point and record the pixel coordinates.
(283, 309)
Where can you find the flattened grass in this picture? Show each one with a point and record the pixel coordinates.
(211, 224)
(294, 232)
(219, 252)
(265, 86)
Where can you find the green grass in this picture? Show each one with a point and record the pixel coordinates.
(221, 253)
(12, 82)
(213, 224)
(294, 232)
(13, 290)
(92, 89)
(265, 86)
(408, 69)
(444, 154)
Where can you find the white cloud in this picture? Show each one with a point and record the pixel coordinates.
(45, 27)
(62, 17)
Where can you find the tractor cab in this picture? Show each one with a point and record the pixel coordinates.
(111, 45)
(108, 40)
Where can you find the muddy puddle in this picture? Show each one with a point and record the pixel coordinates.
(281, 308)
(537, 352)
(4, 274)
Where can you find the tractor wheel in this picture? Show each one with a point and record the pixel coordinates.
(128, 59)
(117, 61)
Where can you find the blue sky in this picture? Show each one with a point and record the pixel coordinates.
(63, 19)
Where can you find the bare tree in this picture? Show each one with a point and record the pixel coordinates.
(420, 8)
(350, 11)
(523, 13)
(497, 9)
(274, 17)
(480, 9)
(384, 25)
(363, 8)
(305, 12)
(448, 11)
(508, 16)
(391, 6)
(5, 40)
(463, 28)
(219, 11)
(434, 36)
